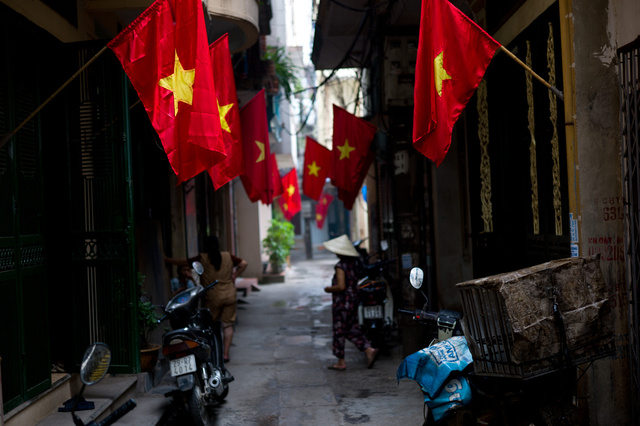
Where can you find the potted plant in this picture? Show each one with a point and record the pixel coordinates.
(147, 324)
(278, 243)
(281, 67)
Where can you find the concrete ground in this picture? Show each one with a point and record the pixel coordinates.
(279, 358)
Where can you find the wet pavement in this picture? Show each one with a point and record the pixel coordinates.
(279, 358)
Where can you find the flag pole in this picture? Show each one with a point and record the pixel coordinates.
(550, 87)
(7, 136)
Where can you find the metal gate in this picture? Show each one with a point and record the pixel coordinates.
(103, 256)
(24, 339)
(629, 72)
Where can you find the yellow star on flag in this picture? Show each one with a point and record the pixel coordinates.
(439, 73)
(286, 206)
(261, 157)
(224, 110)
(318, 217)
(291, 190)
(345, 150)
(180, 83)
(313, 169)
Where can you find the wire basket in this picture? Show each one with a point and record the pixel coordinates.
(537, 320)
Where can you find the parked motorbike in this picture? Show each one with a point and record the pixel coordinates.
(455, 394)
(375, 311)
(194, 348)
(95, 364)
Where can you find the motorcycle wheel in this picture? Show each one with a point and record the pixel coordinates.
(201, 413)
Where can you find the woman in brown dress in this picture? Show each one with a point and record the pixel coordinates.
(221, 300)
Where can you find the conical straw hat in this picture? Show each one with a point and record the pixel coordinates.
(342, 246)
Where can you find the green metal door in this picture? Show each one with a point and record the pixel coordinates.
(103, 256)
(24, 336)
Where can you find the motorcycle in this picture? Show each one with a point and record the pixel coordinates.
(194, 348)
(375, 309)
(95, 364)
(455, 394)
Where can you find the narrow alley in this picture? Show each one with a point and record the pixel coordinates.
(279, 358)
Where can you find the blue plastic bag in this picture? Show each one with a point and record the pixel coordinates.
(437, 369)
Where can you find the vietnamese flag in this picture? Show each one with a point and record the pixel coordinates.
(317, 164)
(453, 54)
(227, 103)
(165, 53)
(349, 197)
(276, 180)
(290, 201)
(257, 178)
(322, 209)
(352, 138)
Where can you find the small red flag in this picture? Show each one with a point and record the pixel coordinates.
(352, 138)
(276, 180)
(165, 53)
(290, 201)
(317, 164)
(257, 178)
(227, 102)
(453, 54)
(349, 197)
(322, 209)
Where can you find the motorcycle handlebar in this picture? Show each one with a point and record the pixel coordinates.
(420, 315)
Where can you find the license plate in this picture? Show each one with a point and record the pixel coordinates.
(183, 365)
(373, 312)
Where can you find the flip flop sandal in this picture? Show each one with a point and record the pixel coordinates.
(333, 367)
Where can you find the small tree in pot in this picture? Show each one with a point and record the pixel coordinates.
(147, 323)
(278, 242)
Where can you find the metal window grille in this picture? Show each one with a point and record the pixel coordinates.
(629, 65)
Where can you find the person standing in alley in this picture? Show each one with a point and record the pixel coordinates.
(344, 291)
(221, 300)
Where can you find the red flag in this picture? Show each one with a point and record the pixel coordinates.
(166, 56)
(290, 202)
(453, 54)
(349, 197)
(227, 102)
(352, 138)
(276, 180)
(317, 164)
(257, 178)
(322, 209)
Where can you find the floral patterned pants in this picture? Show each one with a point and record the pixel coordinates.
(345, 326)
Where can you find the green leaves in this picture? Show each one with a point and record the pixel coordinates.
(279, 240)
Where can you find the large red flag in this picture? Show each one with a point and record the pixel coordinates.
(317, 164)
(227, 102)
(165, 53)
(453, 54)
(352, 138)
(290, 201)
(257, 178)
(322, 209)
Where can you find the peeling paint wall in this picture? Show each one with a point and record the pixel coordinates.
(601, 221)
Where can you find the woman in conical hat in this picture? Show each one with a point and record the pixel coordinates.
(344, 291)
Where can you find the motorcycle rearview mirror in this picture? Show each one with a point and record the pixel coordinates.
(95, 363)
(197, 266)
(416, 276)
